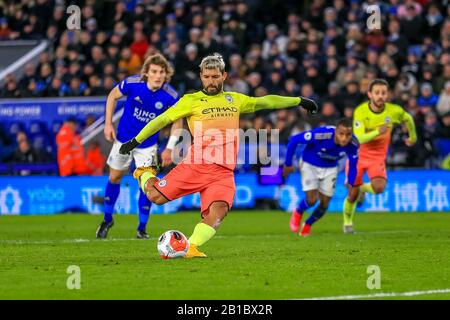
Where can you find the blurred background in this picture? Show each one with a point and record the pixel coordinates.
(50, 76)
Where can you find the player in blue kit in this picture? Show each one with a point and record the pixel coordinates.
(148, 95)
(324, 147)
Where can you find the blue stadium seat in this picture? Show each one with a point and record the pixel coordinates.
(40, 141)
(55, 126)
(37, 127)
(15, 127)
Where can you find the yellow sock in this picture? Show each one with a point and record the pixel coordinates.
(367, 187)
(144, 178)
(348, 212)
(202, 233)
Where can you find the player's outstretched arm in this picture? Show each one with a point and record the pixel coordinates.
(271, 102)
(180, 110)
(111, 103)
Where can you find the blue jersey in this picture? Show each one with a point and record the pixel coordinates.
(321, 151)
(142, 105)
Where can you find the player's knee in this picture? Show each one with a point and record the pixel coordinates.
(115, 179)
(154, 196)
(353, 194)
(378, 188)
(323, 206)
(311, 199)
(352, 198)
(221, 208)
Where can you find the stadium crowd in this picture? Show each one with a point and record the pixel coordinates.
(319, 49)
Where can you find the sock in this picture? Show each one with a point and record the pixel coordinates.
(367, 187)
(304, 205)
(348, 212)
(144, 178)
(316, 215)
(202, 233)
(111, 194)
(144, 210)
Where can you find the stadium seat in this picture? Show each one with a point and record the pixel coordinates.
(37, 127)
(4, 169)
(55, 126)
(40, 141)
(15, 127)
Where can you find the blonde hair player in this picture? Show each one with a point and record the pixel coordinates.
(211, 113)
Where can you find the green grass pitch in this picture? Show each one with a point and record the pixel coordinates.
(253, 256)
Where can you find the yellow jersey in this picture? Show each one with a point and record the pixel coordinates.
(366, 123)
(213, 121)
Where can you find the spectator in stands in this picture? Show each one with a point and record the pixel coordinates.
(54, 89)
(427, 100)
(273, 36)
(411, 21)
(140, 44)
(95, 159)
(328, 114)
(29, 75)
(76, 87)
(444, 131)
(443, 105)
(70, 152)
(11, 89)
(129, 61)
(431, 129)
(354, 65)
(352, 97)
(25, 153)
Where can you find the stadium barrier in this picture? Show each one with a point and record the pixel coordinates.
(408, 190)
(50, 109)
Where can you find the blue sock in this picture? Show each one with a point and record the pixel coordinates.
(144, 210)
(304, 205)
(316, 215)
(111, 194)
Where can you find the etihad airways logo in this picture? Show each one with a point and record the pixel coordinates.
(219, 109)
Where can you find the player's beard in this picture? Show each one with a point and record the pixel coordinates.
(379, 104)
(217, 89)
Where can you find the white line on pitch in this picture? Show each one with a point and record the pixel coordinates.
(381, 295)
(67, 241)
(25, 242)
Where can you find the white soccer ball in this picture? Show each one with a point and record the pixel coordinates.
(172, 244)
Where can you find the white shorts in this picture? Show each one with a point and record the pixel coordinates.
(316, 178)
(143, 157)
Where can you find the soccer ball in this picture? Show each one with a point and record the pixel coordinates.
(172, 244)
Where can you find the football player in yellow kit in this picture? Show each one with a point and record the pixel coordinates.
(373, 121)
(213, 119)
